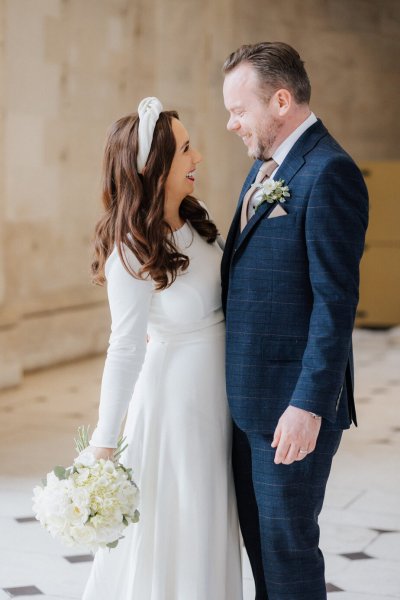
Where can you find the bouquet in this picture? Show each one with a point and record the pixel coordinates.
(272, 191)
(89, 503)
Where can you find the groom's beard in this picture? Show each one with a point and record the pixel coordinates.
(266, 140)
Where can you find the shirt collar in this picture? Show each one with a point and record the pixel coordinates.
(283, 150)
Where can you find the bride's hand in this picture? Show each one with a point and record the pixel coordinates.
(106, 453)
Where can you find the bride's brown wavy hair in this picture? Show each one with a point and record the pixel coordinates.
(134, 205)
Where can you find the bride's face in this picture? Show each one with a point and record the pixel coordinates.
(181, 177)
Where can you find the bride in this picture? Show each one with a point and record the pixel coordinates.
(157, 249)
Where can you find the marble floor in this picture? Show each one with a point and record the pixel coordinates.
(360, 522)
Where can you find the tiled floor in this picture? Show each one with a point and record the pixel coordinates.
(360, 523)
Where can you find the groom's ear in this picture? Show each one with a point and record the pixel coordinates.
(282, 101)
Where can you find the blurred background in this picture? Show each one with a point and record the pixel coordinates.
(68, 69)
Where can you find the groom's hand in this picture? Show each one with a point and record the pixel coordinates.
(295, 435)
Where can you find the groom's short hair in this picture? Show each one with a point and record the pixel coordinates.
(277, 65)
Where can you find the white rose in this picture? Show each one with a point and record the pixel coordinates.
(268, 186)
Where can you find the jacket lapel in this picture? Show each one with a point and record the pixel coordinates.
(232, 234)
(292, 164)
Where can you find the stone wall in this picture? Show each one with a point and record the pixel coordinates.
(68, 68)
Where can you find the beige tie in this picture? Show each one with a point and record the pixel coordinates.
(265, 171)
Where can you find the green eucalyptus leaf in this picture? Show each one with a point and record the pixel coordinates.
(60, 472)
(136, 516)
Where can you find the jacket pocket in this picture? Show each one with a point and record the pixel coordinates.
(283, 349)
(288, 220)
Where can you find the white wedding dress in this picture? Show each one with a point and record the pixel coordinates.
(186, 544)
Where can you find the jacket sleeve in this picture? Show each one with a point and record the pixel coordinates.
(335, 225)
(129, 301)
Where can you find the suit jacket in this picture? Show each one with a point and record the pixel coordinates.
(290, 290)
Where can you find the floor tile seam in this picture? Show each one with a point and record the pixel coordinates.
(362, 593)
(351, 563)
(361, 549)
(343, 569)
(377, 535)
(372, 513)
(365, 549)
(62, 597)
(42, 595)
(359, 495)
(385, 512)
(385, 560)
(50, 554)
(325, 520)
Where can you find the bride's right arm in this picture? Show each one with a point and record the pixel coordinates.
(129, 301)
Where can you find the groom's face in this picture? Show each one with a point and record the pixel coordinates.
(252, 111)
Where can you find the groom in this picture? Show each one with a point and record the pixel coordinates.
(290, 276)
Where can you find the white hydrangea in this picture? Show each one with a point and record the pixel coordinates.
(89, 504)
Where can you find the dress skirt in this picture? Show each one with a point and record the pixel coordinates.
(186, 543)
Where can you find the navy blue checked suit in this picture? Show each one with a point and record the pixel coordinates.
(290, 292)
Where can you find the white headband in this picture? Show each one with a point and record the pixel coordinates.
(149, 110)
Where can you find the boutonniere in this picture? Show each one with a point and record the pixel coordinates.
(272, 191)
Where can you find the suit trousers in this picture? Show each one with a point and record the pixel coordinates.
(278, 511)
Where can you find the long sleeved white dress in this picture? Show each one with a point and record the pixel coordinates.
(186, 544)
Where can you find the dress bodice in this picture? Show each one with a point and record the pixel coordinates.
(193, 301)
(191, 304)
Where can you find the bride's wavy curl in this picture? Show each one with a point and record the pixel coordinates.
(134, 205)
